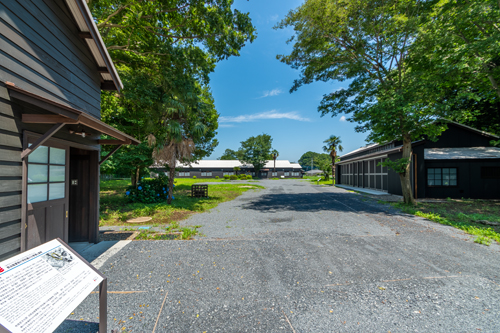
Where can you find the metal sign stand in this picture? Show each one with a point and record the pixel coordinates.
(103, 294)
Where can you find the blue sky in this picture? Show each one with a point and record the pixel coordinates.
(252, 93)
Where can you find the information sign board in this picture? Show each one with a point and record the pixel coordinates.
(40, 287)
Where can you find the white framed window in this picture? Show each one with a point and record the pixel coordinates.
(287, 174)
(274, 174)
(253, 173)
(263, 173)
(441, 176)
(46, 174)
(183, 174)
(206, 174)
(228, 173)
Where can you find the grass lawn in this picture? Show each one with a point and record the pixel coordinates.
(115, 209)
(314, 180)
(461, 214)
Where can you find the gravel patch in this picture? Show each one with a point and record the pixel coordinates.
(302, 259)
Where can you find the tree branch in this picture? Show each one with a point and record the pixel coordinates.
(111, 16)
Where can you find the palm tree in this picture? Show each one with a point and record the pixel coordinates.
(176, 142)
(275, 155)
(332, 144)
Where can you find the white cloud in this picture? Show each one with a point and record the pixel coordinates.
(342, 118)
(226, 125)
(274, 17)
(273, 114)
(274, 92)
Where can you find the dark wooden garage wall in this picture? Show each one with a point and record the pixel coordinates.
(41, 52)
(11, 143)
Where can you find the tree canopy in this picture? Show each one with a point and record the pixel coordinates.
(229, 154)
(367, 43)
(317, 159)
(256, 150)
(164, 51)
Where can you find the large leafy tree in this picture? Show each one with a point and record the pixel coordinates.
(457, 49)
(165, 51)
(256, 151)
(332, 145)
(367, 43)
(138, 32)
(313, 158)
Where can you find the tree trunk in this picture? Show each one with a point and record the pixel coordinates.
(405, 176)
(334, 157)
(171, 176)
(134, 177)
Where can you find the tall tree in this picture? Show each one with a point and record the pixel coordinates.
(366, 42)
(332, 145)
(313, 158)
(164, 51)
(256, 151)
(274, 156)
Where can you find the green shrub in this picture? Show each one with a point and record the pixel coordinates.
(216, 177)
(233, 177)
(194, 177)
(242, 176)
(226, 177)
(149, 190)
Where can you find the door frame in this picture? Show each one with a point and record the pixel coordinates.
(94, 188)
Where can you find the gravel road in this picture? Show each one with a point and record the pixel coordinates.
(296, 257)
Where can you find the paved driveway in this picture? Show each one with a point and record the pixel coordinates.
(301, 258)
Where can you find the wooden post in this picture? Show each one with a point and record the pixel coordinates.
(41, 140)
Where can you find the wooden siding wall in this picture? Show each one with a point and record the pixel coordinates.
(41, 52)
(11, 143)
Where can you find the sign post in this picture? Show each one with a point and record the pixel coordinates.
(39, 288)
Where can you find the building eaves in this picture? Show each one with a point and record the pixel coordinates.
(378, 153)
(90, 33)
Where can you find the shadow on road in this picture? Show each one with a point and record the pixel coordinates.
(310, 202)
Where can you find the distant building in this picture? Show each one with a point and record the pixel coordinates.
(221, 168)
(460, 164)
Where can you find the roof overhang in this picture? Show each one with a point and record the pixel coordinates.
(67, 115)
(379, 154)
(466, 153)
(90, 33)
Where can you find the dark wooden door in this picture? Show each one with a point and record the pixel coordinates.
(46, 195)
(79, 194)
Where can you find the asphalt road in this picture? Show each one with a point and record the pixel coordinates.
(302, 258)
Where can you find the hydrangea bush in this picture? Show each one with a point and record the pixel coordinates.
(149, 190)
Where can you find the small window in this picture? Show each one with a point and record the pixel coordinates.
(46, 174)
(287, 174)
(274, 174)
(442, 177)
(490, 172)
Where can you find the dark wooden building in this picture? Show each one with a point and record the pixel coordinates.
(53, 65)
(460, 164)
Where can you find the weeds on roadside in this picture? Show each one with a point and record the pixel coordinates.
(461, 215)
